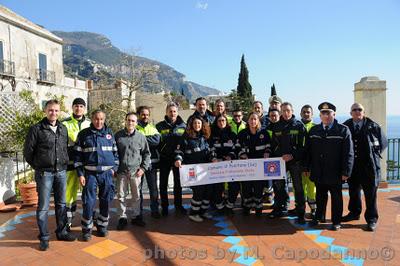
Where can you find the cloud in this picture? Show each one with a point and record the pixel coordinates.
(202, 5)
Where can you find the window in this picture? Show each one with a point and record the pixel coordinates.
(1, 58)
(42, 67)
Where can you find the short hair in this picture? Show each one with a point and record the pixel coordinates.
(171, 104)
(200, 99)
(306, 106)
(129, 114)
(238, 110)
(258, 102)
(287, 104)
(141, 108)
(273, 110)
(51, 102)
(96, 111)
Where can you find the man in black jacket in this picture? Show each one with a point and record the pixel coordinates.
(202, 111)
(330, 160)
(45, 150)
(288, 142)
(369, 142)
(171, 130)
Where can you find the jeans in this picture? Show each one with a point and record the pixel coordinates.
(46, 182)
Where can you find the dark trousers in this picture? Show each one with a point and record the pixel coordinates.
(233, 192)
(151, 180)
(218, 190)
(200, 200)
(370, 194)
(295, 170)
(46, 182)
(252, 192)
(104, 184)
(281, 195)
(165, 169)
(336, 202)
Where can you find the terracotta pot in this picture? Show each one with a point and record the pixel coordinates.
(29, 194)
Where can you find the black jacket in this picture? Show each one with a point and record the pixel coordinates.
(222, 142)
(254, 145)
(377, 143)
(45, 150)
(193, 150)
(288, 138)
(170, 137)
(329, 154)
(208, 116)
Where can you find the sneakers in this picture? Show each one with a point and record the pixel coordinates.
(207, 215)
(122, 223)
(371, 227)
(138, 221)
(335, 227)
(196, 218)
(102, 232)
(181, 210)
(86, 236)
(44, 245)
(66, 237)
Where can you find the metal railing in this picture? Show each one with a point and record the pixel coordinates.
(7, 68)
(393, 158)
(45, 76)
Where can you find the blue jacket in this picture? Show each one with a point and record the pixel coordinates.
(254, 145)
(193, 150)
(95, 150)
(377, 143)
(208, 117)
(222, 142)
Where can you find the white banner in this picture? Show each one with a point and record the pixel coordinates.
(229, 171)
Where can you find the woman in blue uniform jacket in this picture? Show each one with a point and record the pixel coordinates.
(222, 144)
(193, 149)
(254, 143)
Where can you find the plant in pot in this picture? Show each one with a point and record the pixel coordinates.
(27, 189)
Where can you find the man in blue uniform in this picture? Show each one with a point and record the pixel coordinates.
(369, 143)
(96, 161)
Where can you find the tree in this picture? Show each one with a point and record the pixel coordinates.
(242, 97)
(273, 90)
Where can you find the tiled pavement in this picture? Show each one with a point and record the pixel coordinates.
(174, 240)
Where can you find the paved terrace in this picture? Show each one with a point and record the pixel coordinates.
(174, 240)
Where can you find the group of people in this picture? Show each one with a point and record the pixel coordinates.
(319, 158)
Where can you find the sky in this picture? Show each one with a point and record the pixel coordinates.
(312, 50)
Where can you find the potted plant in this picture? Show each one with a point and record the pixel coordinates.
(28, 190)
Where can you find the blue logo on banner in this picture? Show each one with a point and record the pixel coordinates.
(272, 168)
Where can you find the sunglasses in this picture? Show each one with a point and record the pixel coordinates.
(357, 110)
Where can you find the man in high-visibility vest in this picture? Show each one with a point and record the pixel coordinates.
(153, 138)
(237, 124)
(306, 114)
(74, 124)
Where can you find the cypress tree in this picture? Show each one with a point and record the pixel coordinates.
(244, 89)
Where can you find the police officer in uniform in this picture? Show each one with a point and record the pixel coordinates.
(330, 161)
(369, 143)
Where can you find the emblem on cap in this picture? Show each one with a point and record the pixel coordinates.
(325, 106)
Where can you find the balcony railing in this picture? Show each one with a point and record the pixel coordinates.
(7, 68)
(45, 76)
(393, 158)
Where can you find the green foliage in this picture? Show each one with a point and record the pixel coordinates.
(242, 97)
(23, 120)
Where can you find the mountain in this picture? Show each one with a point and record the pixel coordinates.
(90, 55)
